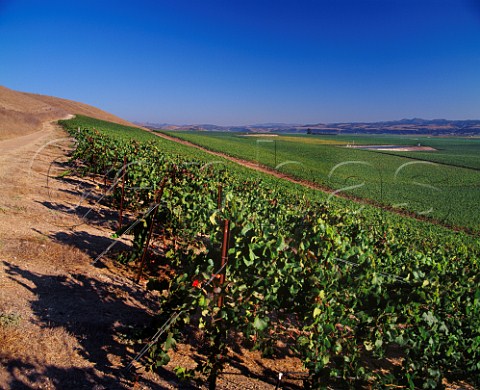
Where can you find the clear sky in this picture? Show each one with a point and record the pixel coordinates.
(248, 61)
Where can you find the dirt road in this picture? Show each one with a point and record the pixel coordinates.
(58, 313)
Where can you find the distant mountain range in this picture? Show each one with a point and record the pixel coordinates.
(442, 127)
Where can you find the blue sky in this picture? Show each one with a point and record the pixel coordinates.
(242, 62)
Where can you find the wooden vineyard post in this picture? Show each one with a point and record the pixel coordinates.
(219, 347)
(150, 232)
(219, 197)
(104, 170)
(120, 216)
(114, 166)
(224, 258)
(94, 161)
(225, 242)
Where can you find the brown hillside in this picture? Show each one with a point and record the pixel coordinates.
(73, 107)
(23, 113)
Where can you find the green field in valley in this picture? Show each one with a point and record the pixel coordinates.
(442, 185)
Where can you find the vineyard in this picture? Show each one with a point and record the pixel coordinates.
(439, 185)
(363, 297)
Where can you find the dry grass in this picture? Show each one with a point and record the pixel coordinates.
(21, 114)
(28, 353)
(46, 346)
(43, 250)
(24, 113)
(73, 107)
(15, 123)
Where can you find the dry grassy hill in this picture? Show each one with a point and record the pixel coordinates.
(23, 113)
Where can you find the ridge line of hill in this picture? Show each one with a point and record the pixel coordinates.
(23, 113)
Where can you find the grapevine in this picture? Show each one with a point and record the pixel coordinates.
(354, 286)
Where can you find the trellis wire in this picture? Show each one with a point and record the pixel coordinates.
(125, 232)
(397, 278)
(174, 316)
(167, 324)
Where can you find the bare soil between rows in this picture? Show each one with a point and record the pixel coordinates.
(62, 319)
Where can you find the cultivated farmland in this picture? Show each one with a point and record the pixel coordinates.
(441, 185)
